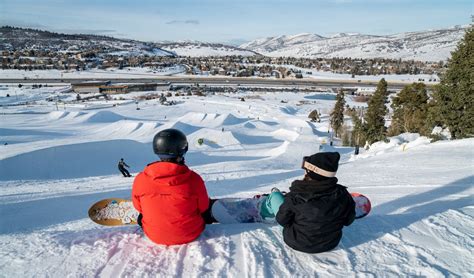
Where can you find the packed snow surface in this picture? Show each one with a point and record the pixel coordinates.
(56, 161)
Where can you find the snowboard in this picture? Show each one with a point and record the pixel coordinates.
(247, 210)
(362, 204)
(238, 210)
(119, 212)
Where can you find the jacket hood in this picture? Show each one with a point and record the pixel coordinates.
(309, 189)
(167, 173)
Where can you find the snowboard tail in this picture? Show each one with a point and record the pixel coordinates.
(113, 212)
(362, 204)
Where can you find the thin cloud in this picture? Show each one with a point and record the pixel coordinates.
(87, 31)
(189, 21)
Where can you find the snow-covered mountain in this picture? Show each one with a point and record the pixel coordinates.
(201, 49)
(433, 45)
(270, 44)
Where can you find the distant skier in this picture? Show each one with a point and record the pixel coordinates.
(121, 167)
(316, 208)
(170, 197)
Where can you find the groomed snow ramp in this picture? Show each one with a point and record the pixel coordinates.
(76, 160)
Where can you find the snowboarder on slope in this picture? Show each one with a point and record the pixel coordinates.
(316, 208)
(170, 197)
(121, 166)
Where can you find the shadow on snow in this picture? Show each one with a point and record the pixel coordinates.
(420, 206)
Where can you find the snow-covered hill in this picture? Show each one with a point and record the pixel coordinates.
(57, 161)
(270, 44)
(25, 39)
(30, 39)
(200, 49)
(433, 45)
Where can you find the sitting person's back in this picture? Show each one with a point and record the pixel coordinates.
(170, 196)
(316, 208)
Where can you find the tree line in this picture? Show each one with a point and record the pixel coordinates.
(450, 105)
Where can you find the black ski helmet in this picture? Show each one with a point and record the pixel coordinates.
(170, 142)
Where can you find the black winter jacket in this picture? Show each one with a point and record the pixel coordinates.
(314, 213)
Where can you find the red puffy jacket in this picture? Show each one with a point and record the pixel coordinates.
(171, 199)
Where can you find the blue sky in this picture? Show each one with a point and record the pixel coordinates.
(230, 21)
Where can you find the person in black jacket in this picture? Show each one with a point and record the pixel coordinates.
(121, 166)
(316, 208)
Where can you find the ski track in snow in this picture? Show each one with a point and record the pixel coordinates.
(59, 163)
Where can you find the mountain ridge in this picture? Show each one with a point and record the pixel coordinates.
(17, 38)
(430, 45)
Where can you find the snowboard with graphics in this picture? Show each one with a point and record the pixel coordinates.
(113, 212)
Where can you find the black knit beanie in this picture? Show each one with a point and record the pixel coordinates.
(327, 161)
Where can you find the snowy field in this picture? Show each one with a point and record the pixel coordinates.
(55, 161)
(92, 73)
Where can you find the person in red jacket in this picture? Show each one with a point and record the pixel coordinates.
(170, 197)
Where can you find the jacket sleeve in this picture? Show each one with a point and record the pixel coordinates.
(350, 215)
(136, 195)
(285, 214)
(203, 198)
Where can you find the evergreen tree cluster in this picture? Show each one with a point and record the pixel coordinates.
(453, 100)
(410, 110)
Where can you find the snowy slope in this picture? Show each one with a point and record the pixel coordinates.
(274, 43)
(430, 45)
(200, 49)
(57, 163)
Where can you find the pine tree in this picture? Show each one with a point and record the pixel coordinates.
(374, 126)
(337, 115)
(453, 100)
(346, 135)
(410, 109)
(314, 116)
(357, 135)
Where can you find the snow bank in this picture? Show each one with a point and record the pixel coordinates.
(56, 115)
(214, 138)
(285, 134)
(139, 130)
(103, 117)
(442, 132)
(400, 143)
(211, 119)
